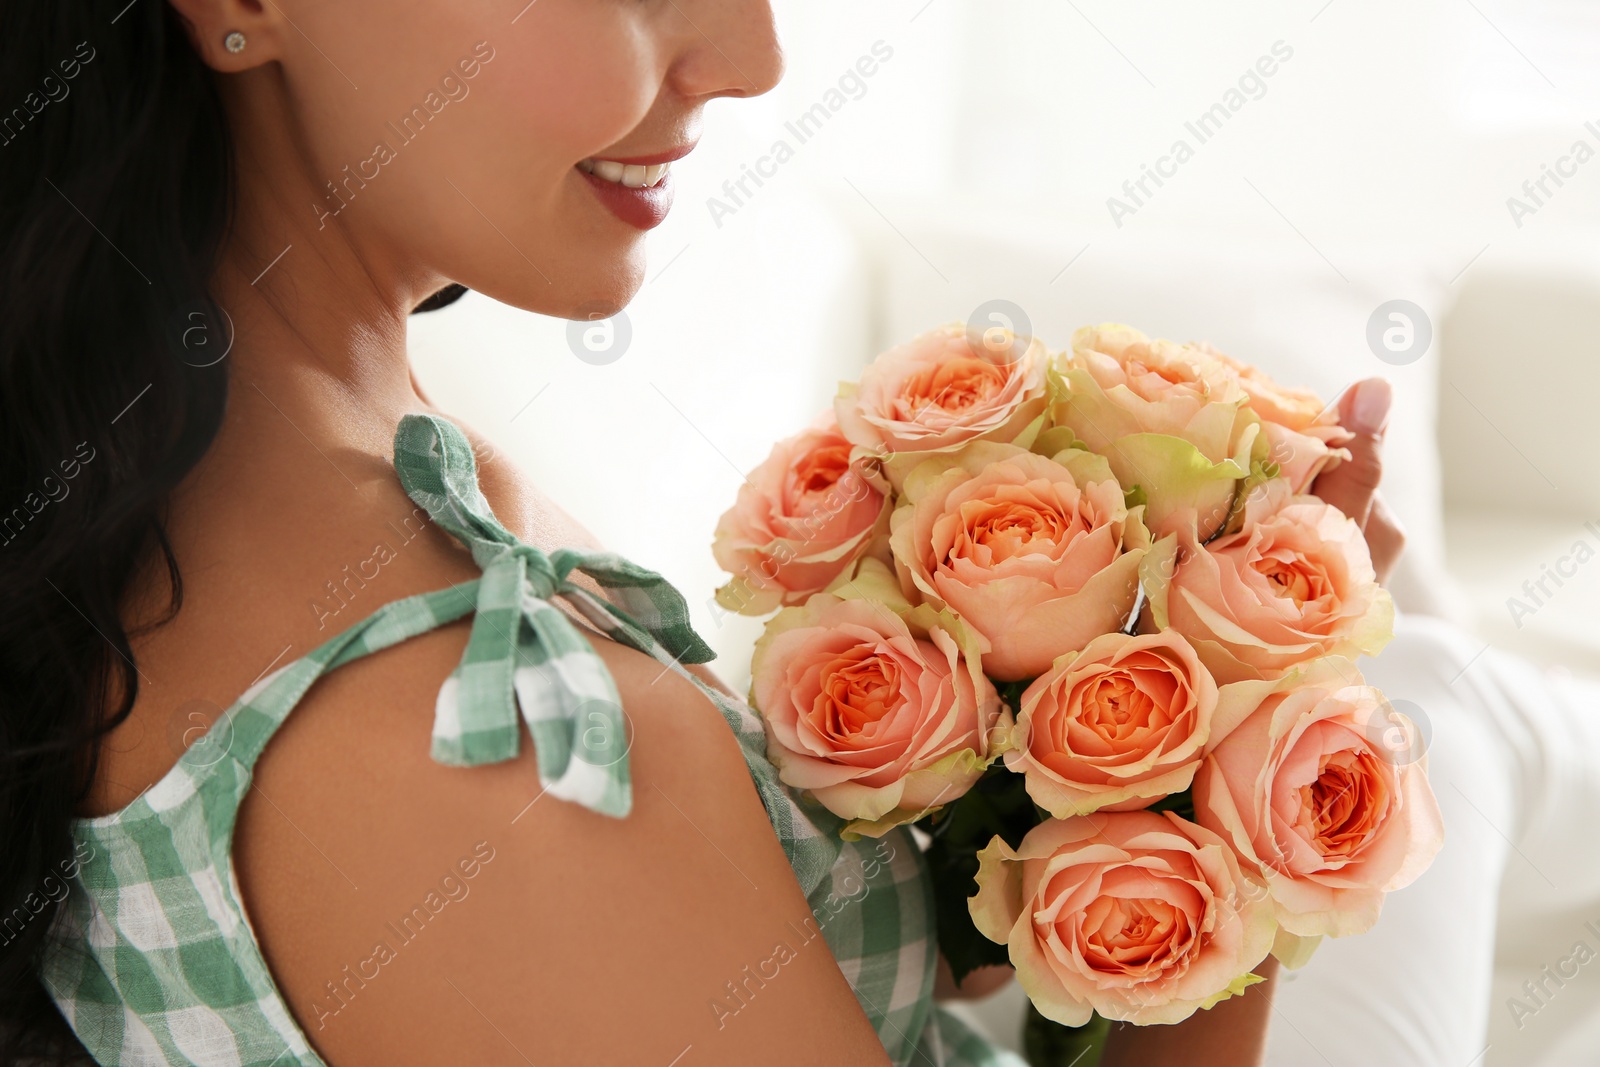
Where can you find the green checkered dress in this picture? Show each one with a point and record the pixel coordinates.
(153, 962)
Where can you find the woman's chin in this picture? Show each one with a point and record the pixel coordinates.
(608, 296)
(576, 293)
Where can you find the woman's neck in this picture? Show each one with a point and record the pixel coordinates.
(318, 303)
(318, 371)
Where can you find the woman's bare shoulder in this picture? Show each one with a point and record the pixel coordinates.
(278, 556)
(416, 912)
(413, 912)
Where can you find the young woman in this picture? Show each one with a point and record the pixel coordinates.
(216, 217)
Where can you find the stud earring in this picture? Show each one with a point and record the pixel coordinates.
(234, 42)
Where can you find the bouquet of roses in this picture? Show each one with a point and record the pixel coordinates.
(1076, 616)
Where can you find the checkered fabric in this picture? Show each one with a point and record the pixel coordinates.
(523, 650)
(153, 961)
(947, 1041)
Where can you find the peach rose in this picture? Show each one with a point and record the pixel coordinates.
(1139, 916)
(1040, 556)
(1123, 382)
(1296, 583)
(879, 709)
(1303, 434)
(1171, 419)
(801, 518)
(1310, 796)
(1116, 726)
(939, 391)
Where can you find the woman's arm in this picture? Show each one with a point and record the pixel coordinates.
(678, 931)
(1232, 1034)
(983, 982)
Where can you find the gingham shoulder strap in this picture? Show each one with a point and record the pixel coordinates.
(523, 652)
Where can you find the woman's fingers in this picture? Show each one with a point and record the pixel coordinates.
(1386, 538)
(1350, 486)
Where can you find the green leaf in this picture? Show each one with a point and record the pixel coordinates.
(1011, 692)
(998, 805)
(1047, 1043)
(1180, 803)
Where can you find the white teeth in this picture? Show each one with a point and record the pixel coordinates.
(632, 175)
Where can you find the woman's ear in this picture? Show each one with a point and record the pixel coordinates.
(234, 35)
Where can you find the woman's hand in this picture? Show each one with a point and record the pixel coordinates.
(1352, 486)
(1234, 1031)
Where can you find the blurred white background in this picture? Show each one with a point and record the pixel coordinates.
(1377, 162)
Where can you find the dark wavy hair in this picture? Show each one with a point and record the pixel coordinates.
(115, 186)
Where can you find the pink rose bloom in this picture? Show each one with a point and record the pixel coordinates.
(1311, 797)
(1171, 418)
(1040, 556)
(799, 521)
(1138, 916)
(1114, 727)
(1295, 584)
(937, 392)
(1134, 384)
(883, 715)
(1303, 433)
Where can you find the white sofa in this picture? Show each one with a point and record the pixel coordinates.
(744, 329)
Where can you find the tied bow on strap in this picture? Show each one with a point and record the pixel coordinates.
(523, 651)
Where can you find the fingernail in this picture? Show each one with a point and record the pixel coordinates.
(1369, 407)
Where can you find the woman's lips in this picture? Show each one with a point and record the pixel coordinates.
(642, 208)
(636, 189)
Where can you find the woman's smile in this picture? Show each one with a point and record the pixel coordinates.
(636, 189)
